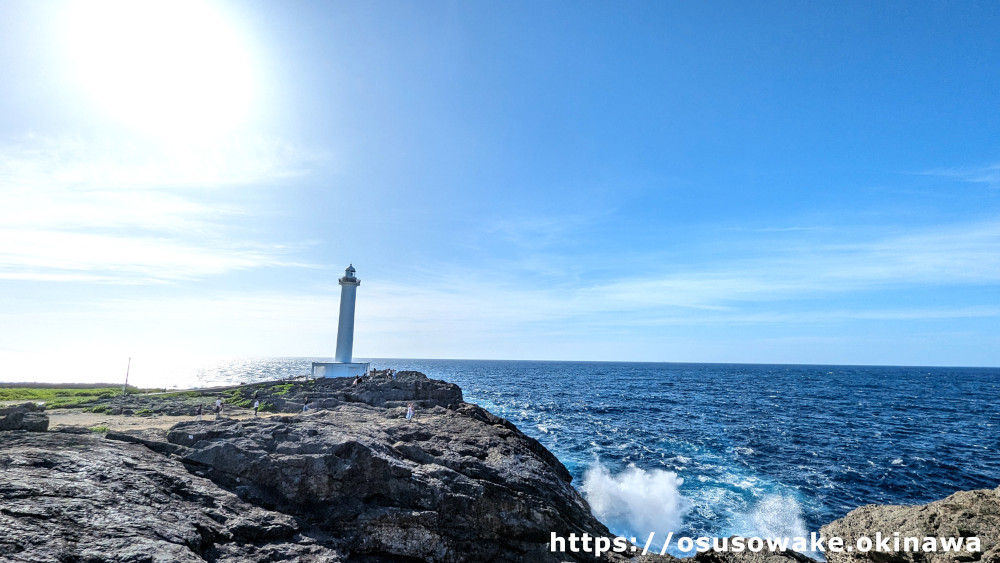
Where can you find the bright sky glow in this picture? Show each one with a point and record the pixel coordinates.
(174, 67)
(663, 181)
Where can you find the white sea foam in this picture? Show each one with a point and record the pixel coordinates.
(638, 500)
(775, 516)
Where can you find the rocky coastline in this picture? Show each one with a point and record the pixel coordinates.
(349, 479)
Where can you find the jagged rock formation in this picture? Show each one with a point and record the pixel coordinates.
(451, 485)
(378, 391)
(964, 514)
(78, 497)
(289, 396)
(349, 481)
(26, 416)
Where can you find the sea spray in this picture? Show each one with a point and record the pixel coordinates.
(774, 516)
(636, 501)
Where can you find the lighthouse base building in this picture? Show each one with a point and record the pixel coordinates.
(343, 366)
(338, 369)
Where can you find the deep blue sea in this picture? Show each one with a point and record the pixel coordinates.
(721, 449)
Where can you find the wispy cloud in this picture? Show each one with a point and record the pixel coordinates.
(116, 212)
(944, 256)
(988, 175)
(534, 231)
(808, 282)
(62, 256)
(34, 161)
(735, 317)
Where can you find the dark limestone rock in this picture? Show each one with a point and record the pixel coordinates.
(377, 391)
(73, 430)
(23, 407)
(170, 404)
(451, 485)
(153, 438)
(66, 497)
(26, 416)
(964, 514)
(351, 480)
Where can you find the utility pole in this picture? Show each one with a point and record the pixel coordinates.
(129, 367)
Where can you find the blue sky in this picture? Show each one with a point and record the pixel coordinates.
(788, 182)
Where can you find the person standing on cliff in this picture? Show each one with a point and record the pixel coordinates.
(409, 412)
(218, 408)
(256, 405)
(199, 413)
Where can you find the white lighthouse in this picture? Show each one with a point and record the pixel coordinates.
(345, 330)
(343, 366)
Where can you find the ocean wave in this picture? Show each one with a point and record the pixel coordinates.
(636, 501)
(774, 516)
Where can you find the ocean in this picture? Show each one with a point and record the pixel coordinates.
(755, 450)
(722, 449)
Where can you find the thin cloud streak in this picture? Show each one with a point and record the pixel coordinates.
(947, 256)
(809, 316)
(989, 175)
(125, 259)
(306, 323)
(807, 281)
(541, 231)
(101, 212)
(42, 162)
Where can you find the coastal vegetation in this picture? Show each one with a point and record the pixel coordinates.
(55, 398)
(107, 399)
(245, 396)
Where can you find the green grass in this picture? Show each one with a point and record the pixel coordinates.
(98, 409)
(58, 398)
(238, 397)
(244, 397)
(99, 429)
(62, 398)
(282, 389)
(144, 412)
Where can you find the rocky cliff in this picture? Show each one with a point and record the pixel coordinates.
(78, 497)
(350, 479)
(965, 514)
(448, 486)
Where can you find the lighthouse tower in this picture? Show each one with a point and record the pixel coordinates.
(345, 330)
(343, 366)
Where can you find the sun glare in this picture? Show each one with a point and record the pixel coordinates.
(172, 68)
